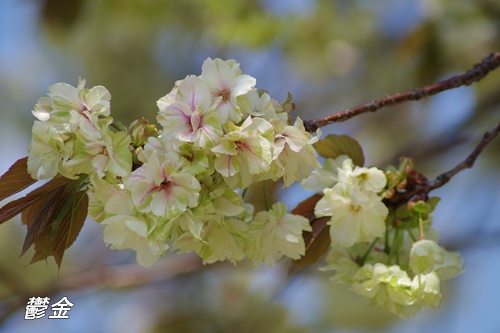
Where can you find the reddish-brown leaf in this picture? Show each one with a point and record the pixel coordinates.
(317, 243)
(29, 214)
(70, 227)
(54, 214)
(318, 225)
(45, 216)
(306, 207)
(42, 246)
(17, 206)
(62, 218)
(15, 179)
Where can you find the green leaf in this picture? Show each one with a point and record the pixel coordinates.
(432, 203)
(420, 207)
(15, 179)
(335, 145)
(288, 105)
(402, 212)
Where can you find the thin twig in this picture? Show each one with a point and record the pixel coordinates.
(475, 74)
(422, 189)
(467, 163)
(106, 277)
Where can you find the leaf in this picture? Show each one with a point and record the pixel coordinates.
(306, 207)
(59, 235)
(54, 214)
(49, 206)
(316, 247)
(335, 145)
(71, 225)
(15, 179)
(318, 241)
(55, 218)
(17, 206)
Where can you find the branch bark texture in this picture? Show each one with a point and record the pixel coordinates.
(474, 74)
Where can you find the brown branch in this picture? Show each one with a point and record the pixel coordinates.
(422, 187)
(106, 277)
(475, 74)
(467, 163)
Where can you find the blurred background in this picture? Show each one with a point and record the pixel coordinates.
(330, 55)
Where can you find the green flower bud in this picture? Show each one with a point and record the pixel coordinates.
(140, 130)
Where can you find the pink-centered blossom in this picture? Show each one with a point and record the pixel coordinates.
(162, 187)
(244, 152)
(191, 117)
(225, 81)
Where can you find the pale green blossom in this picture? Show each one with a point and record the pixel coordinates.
(427, 289)
(169, 98)
(108, 153)
(327, 176)
(263, 106)
(340, 261)
(107, 199)
(369, 179)
(140, 233)
(356, 216)
(124, 226)
(67, 107)
(221, 239)
(386, 286)
(194, 160)
(293, 154)
(48, 150)
(450, 267)
(244, 151)
(275, 233)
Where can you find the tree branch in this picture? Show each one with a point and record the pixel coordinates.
(422, 186)
(475, 74)
(106, 277)
(467, 163)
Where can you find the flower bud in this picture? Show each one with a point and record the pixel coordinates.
(140, 130)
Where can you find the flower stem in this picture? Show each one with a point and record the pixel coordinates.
(387, 247)
(420, 222)
(395, 247)
(266, 203)
(365, 256)
(412, 235)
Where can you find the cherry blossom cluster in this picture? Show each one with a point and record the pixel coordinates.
(181, 187)
(390, 256)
